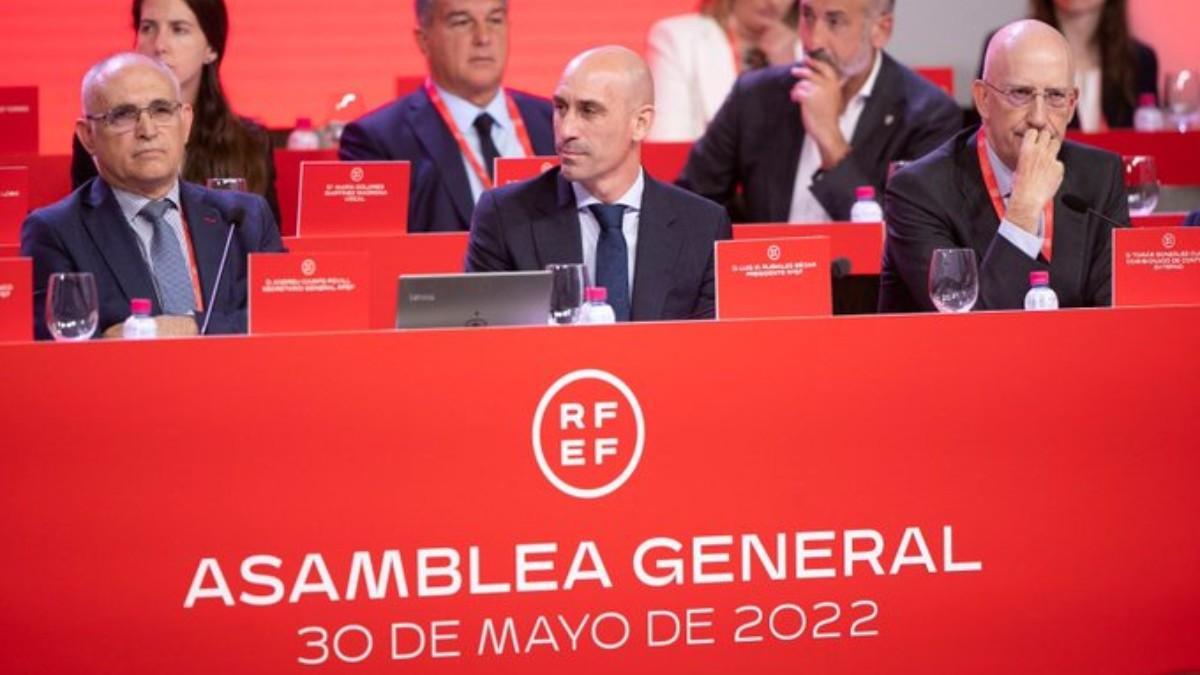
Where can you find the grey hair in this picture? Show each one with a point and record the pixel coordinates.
(100, 73)
(424, 10)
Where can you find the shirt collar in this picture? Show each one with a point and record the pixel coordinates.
(463, 112)
(1004, 176)
(131, 203)
(631, 200)
(869, 86)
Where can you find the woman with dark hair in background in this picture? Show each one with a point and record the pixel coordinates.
(189, 36)
(1112, 68)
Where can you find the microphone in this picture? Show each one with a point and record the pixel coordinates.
(235, 218)
(1080, 205)
(840, 267)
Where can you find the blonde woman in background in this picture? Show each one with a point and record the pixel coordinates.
(695, 58)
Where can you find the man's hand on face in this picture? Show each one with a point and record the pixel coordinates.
(1037, 178)
(819, 93)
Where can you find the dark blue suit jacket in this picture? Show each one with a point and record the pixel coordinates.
(87, 232)
(411, 129)
(528, 225)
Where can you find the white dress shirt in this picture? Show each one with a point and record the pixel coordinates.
(504, 134)
(1089, 110)
(1029, 244)
(805, 206)
(589, 227)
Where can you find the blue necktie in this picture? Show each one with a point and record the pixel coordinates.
(171, 275)
(612, 257)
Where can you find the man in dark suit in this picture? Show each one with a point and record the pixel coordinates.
(797, 141)
(650, 244)
(454, 127)
(1000, 190)
(141, 231)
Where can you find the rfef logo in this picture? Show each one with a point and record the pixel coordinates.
(588, 433)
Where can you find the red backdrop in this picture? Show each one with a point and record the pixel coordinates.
(289, 58)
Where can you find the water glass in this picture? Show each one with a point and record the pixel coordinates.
(231, 184)
(1141, 184)
(1181, 90)
(566, 298)
(72, 306)
(953, 279)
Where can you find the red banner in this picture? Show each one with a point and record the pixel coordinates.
(825, 495)
(352, 198)
(16, 300)
(14, 203)
(18, 120)
(762, 278)
(294, 292)
(1156, 266)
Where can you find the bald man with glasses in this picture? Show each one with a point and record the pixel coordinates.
(1003, 189)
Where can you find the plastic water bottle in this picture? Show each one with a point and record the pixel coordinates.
(140, 325)
(596, 309)
(865, 209)
(1040, 295)
(304, 137)
(1148, 117)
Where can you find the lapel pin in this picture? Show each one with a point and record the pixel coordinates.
(887, 121)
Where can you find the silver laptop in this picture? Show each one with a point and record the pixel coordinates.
(484, 299)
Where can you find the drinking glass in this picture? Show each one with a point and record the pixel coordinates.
(231, 184)
(1182, 94)
(1141, 184)
(566, 298)
(72, 306)
(953, 279)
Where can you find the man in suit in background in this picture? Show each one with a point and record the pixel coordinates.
(1000, 190)
(460, 120)
(797, 140)
(139, 229)
(650, 244)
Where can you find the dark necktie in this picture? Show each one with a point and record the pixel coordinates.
(612, 257)
(171, 276)
(483, 126)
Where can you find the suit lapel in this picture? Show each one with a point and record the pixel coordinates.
(541, 134)
(1069, 239)
(785, 163)
(883, 113)
(556, 237)
(439, 144)
(659, 243)
(116, 243)
(206, 227)
(979, 221)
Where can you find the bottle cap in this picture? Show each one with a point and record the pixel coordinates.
(596, 294)
(304, 123)
(1147, 100)
(1039, 278)
(864, 192)
(140, 306)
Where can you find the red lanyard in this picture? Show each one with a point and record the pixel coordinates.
(993, 188)
(191, 254)
(476, 164)
(735, 50)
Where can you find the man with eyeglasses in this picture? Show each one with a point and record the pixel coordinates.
(139, 229)
(454, 127)
(1000, 190)
(792, 143)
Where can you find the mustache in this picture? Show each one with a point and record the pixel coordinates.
(825, 57)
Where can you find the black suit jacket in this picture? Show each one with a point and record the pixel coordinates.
(941, 202)
(411, 129)
(529, 225)
(87, 232)
(754, 142)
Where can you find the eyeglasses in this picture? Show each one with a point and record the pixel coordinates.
(1019, 97)
(125, 117)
